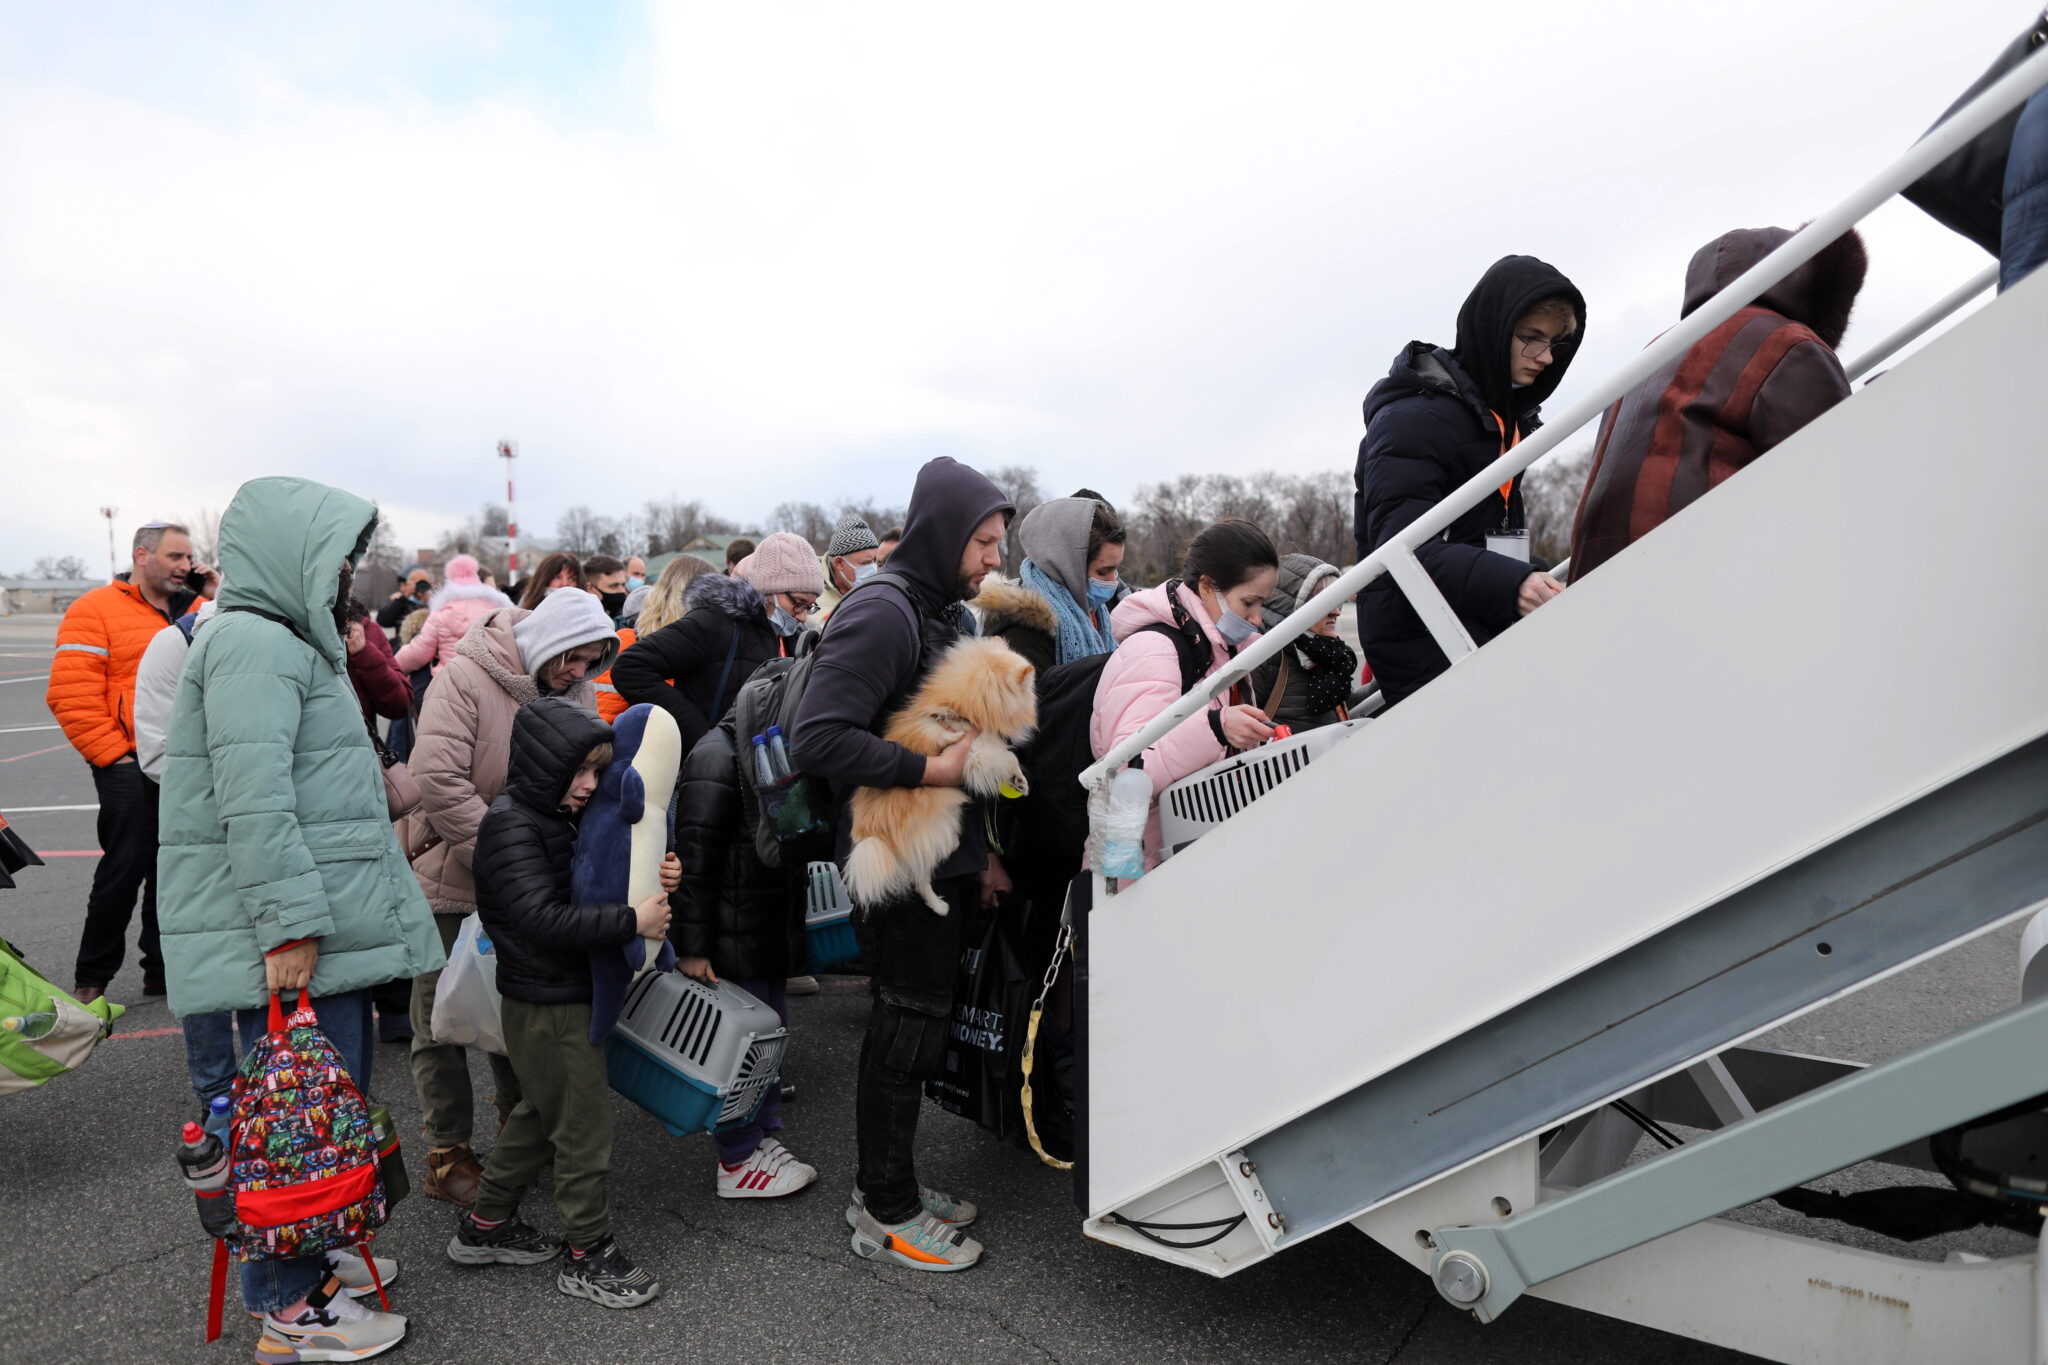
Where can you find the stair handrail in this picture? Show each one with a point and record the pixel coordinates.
(1933, 314)
(1397, 555)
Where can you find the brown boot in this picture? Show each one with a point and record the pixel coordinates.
(85, 993)
(453, 1174)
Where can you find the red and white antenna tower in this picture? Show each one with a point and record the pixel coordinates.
(508, 451)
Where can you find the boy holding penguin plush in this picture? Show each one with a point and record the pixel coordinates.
(553, 944)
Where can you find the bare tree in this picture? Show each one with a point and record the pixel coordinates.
(205, 529)
(66, 567)
(494, 520)
(1550, 496)
(581, 531)
(807, 519)
(1021, 483)
(666, 526)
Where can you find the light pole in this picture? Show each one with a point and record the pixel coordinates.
(113, 571)
(508, 451)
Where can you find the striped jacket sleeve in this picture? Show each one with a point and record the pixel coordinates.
(78, 692)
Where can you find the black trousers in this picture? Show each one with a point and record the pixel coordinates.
(915, 956)
(127, 830)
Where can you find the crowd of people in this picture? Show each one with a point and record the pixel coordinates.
(236, 719)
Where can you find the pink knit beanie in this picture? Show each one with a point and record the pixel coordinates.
(463, 569)
(785, 562)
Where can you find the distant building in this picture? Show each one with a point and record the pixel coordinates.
(713, 547)
(42, 596)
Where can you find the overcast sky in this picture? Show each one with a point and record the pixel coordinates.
(757, 252)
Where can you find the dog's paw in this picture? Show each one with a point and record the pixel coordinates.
(991, 767)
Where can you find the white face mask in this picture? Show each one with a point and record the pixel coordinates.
(863, 572)
(784, 623)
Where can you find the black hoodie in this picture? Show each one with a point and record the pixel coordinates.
(877, 645)
(1430, 427)
(541, 937)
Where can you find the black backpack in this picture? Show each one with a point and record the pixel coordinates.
(1053, 823)
(771, 696)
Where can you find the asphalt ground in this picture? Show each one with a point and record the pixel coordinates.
(102, 1258)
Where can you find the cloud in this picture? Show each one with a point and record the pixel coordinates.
(753, 253)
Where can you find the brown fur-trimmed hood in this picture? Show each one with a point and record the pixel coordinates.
(1004, 604)
(1821, 294)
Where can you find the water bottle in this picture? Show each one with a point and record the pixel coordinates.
(37, 1025)
(778, 754)
(219, 1113)
(390, 1161)
(204, 1163)
(1123, 834)
(764, 767)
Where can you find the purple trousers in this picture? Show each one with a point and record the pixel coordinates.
(735, 1145)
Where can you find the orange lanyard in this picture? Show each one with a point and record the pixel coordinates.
(1507, 443)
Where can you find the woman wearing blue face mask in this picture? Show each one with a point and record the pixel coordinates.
(1216, 605)
(693, 667)
(1058, 610)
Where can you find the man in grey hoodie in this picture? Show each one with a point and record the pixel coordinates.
(872, 656)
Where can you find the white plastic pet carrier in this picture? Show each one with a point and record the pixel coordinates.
(697, 1057)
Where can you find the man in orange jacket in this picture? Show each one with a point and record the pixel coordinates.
(92, 695)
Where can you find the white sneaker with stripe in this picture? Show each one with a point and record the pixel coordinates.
(769, 1173)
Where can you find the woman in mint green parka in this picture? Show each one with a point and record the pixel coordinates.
(273, 828)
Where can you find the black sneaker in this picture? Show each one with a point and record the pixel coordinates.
(512, 1242)
(604, 1276)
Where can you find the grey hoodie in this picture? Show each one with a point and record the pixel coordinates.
(1054, 536)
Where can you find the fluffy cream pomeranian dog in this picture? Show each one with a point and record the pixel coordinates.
(902, 834)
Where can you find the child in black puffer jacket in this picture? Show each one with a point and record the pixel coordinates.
(543, 942)
(741, 919)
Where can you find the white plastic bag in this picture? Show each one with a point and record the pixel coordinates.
(467, 1007)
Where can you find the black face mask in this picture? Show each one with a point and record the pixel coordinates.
(614, 602)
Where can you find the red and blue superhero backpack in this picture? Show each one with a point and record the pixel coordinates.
(302, 1156)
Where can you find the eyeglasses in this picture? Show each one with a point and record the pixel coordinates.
(800, 606)
(1533, 345)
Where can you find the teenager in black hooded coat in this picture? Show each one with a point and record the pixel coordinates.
(1439, 417)
(718, 642)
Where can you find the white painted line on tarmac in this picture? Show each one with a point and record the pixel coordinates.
(24, 729)
(37, 678)
(31, 810)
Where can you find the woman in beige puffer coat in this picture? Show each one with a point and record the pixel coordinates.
(507, 659)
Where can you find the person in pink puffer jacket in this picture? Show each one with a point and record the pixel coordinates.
(1231, 570)
(460, 603)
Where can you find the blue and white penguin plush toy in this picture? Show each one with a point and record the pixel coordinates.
(625, 832)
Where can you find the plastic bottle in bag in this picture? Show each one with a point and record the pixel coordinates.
(203, 1161)
(1123, 827)
(37, 1025)
(778, 754)
(764, 767)
(219, 1116)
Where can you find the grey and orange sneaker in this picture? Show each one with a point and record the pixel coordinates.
(960, 1213)
(340, 1329)
(924, 1243)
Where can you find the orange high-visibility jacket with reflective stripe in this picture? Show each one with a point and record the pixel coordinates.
(92, 676)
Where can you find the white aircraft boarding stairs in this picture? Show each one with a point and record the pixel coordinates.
(1792, 742)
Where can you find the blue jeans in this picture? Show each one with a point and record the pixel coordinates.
(2023, 237)
(210, 1054)
(270, 1285)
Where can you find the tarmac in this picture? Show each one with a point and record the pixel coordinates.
(103, 1260)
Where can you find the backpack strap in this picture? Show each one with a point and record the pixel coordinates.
(725, 675)
(271, 616)
(217, 1289)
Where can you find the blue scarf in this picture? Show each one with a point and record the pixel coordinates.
(1080, 637)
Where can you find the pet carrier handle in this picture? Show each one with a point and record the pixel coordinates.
(305, 1006)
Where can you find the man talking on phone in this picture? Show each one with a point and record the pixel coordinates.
(92, 695)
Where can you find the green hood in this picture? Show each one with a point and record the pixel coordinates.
(282, 542)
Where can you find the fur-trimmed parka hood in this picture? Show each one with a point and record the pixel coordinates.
(1820, 294)
(1003, 604)
(728, 596)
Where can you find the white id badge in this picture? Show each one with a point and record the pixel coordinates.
(1513, 544)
